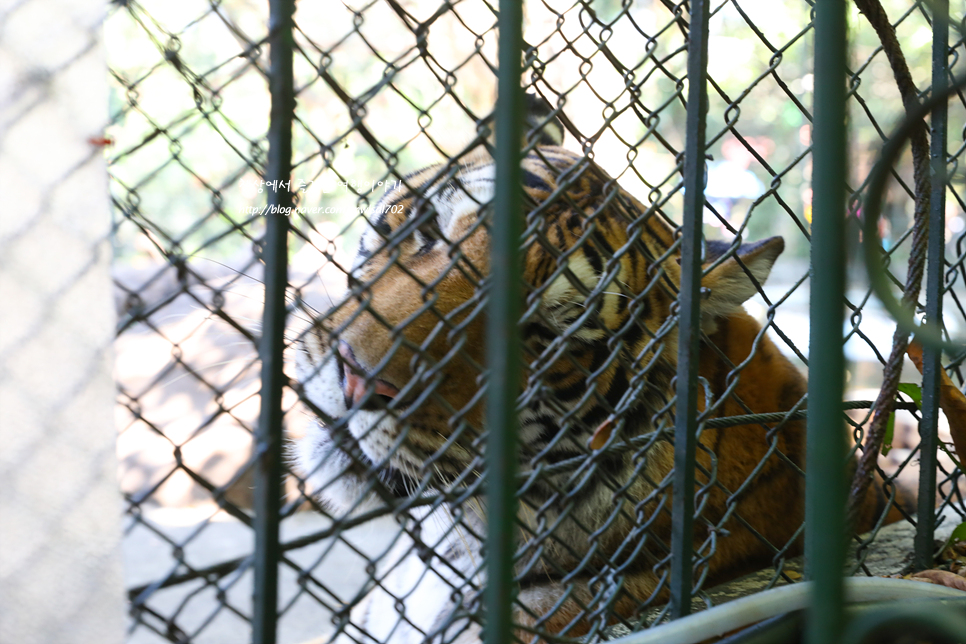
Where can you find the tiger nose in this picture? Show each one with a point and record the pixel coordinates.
(355, 384)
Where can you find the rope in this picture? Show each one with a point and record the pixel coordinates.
(801, 414)
(919, 146)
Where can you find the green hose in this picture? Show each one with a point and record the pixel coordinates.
(739, 613)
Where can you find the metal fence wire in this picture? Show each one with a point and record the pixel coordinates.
(303, 235)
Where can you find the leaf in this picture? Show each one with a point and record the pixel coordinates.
(942, 578)
(951, 456)
(951, 400)
(959, 533)
(890, 431)
(912, 390)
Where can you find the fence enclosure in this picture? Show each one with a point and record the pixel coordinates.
(263, 360)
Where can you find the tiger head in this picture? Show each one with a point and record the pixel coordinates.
(399, 363)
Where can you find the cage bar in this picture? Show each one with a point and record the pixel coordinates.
(274, 254)
(825, 452)
(935, 267)
(689, 315)
(503, 354)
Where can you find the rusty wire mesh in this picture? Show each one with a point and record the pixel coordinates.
(385, 88)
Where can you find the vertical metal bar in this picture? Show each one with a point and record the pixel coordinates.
(689, 314)
(268, 470)
(825, 472)
(931, 358)
(503, 352)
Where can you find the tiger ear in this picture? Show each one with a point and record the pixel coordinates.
(730, 283)
(542, 124)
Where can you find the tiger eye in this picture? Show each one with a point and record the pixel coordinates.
(430, 230)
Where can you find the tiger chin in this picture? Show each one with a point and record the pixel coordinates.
(397, 372)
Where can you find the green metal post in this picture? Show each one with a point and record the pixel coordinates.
(274, 250)
(689, 315)
(503, 359)
(825, 472)
(931, 358)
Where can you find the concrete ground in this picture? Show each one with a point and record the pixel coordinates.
(339, 564)
(169, 372)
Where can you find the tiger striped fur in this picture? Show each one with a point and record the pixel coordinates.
(397, 369)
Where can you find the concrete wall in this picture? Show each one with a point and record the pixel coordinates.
(60, 578)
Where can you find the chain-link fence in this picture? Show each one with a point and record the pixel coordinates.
(384, 517)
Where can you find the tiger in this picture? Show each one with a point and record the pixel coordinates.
(396, 374)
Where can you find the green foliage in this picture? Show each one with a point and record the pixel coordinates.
(951, 456)
(912, 390)
(889, 433)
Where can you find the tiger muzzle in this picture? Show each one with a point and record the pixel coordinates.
(361, 389)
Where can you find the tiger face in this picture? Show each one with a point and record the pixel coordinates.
(394, 354)
(397, 373)
(401, 361)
